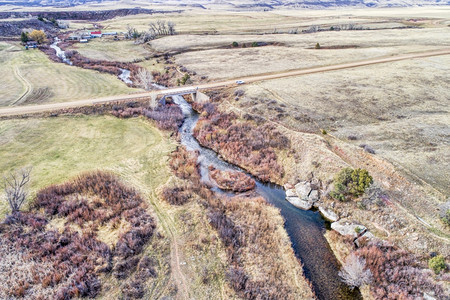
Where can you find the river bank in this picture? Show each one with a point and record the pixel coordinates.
(305, 228)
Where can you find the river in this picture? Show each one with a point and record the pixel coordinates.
(305, 228)
(59, 52)
(124, 73)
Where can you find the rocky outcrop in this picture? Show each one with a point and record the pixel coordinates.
(347, 228)
(304, 194)
(302, 204)
(328, 214)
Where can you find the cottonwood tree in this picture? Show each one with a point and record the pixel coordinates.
(144, 79)
(38, 36)
(353, 273)
(15, 190)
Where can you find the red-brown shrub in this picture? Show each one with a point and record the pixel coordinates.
(167, 117)
(242, 143)
(397, 274)
(77, 258)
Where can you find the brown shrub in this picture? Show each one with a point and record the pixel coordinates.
(77, 258)
(176, 195)
(167, 117)
(232, 181)
(397, 274)
(252, 147)
(185, 164)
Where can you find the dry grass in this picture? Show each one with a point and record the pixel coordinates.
(60, 148)
(399, 109)
(300, 117)
(107, 49)
(295, 51)
(32, 74)
(220, 21)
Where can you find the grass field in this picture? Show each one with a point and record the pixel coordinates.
(107, 49)
(60, 148)
(399, 109)
(219, 21)
(295, 51)
(29, 77)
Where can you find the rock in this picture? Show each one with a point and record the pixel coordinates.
(303, 189)
(346, 228)
(302, 204)
(288, 186)
(328, 214)
(314, 195)
(368, 235)
(291, 193)
(428, 297)
(315, 184)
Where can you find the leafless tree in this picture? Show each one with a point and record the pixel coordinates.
(171, 28)
(161, 27)
(353, 273)
(15, 190)
(146, 36)
(144, 79)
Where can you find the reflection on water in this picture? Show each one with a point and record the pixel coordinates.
(305, 228)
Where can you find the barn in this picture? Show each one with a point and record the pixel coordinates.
(96, 34)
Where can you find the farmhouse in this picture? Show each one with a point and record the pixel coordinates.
(31, 44)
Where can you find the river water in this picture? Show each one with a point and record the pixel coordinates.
(305, 228)
(60, 53)
(125, 76)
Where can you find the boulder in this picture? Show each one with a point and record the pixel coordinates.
(302, 204)
(291, 193)
(314, 195)
(315, 184)
(303, 189)
(328, 214)
(346, 228)
(368, 235)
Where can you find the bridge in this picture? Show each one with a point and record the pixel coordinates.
(195, 94)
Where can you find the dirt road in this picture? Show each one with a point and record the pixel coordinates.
(20, 110)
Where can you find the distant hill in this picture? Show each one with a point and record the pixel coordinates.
(267, 4)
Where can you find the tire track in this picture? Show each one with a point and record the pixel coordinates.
(26, 83)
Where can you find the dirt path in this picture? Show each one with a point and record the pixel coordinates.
(218, 84)
(26, 83)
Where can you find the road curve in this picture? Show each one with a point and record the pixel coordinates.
(21, 110)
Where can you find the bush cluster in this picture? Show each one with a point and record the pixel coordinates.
(77, 257)
(437, 264)
(397, 274)
(350, 183)
(185, 164)
(167, 117)
(246, 229)
(242, 143)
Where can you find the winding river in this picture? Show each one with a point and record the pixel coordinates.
(60, 53)
(305, 228)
